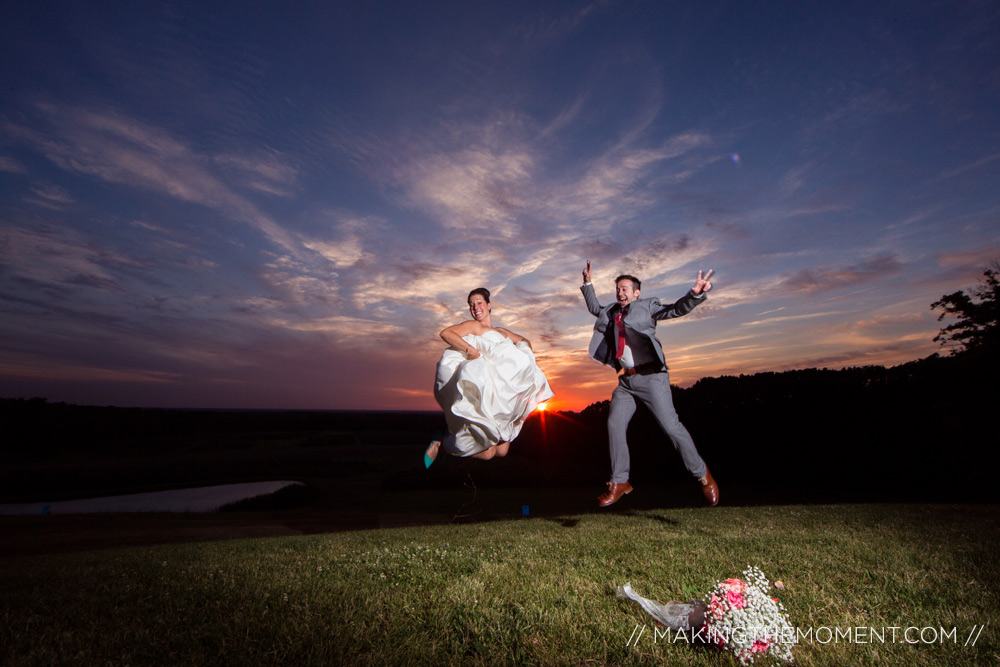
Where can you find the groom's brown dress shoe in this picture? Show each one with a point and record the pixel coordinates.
(710, 488)
(614, 492)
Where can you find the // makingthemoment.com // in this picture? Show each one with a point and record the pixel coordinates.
(819, 635)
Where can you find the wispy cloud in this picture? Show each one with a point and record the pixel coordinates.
(117, 149)
(76, 373)
(475, 192)
(866, 273)
(56, 258)
(966, 168)
(264, 172)
(12, 165)
(616, 186)
(51, 197)
(790, 318)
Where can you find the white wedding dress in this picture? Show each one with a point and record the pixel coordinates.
(486, 400)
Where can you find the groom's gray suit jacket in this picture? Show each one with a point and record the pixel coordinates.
(641, 318)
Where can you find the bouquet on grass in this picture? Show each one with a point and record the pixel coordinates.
(737, 615)
(743, 618)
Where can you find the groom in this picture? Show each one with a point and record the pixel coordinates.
(624, 338)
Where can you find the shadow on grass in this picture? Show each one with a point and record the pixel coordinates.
(335, 505)
(655, 517)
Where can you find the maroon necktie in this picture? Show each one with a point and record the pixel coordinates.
(620, 325)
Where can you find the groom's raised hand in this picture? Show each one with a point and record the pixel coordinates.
(702, 285)
(586, 273)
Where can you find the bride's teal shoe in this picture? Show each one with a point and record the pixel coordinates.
(430, 454)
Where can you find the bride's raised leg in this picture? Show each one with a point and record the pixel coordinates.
(494, 450)
(484, 455)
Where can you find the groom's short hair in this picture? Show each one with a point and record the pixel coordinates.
(636, 285)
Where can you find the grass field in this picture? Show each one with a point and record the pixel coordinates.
(535, 590)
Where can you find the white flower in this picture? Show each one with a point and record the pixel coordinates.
(743, 618)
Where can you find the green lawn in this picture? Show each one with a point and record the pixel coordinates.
(519, 591)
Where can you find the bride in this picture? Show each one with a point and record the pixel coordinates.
(487, 383)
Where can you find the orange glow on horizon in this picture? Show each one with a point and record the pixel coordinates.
(555, 405)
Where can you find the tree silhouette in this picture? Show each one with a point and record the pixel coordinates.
(978, 313)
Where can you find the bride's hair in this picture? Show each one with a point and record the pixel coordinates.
(482, 291)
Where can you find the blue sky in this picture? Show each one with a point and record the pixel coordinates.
(279, 205)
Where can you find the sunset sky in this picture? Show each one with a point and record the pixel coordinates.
(280, 205)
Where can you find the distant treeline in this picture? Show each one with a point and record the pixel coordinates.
(921, 430)
(36, 425)
(925, 429)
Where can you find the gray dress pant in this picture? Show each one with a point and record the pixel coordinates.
(654, 392)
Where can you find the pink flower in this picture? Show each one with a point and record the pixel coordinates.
(736, 584)
(734, 593)
(716, 608)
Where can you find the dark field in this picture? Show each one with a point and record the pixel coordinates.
(348, 487)
(922, 432)
(361, 471)
(869, 492)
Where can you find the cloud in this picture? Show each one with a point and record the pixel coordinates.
(12, 165)
(58, 257)
(74, 372)
(852, 116)
(476, 192)
(972, 166)
(657, 256)
(51, 197)
(978, 259)
(794, 179)
(118, 149)
(429, 286)
(344, 253)
(266, 172)
(614, 186)
(299, 282)
(790, 318)
(348, 332)
(869, 273)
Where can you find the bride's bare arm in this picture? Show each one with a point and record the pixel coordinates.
(516, 338)
(453, 336)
